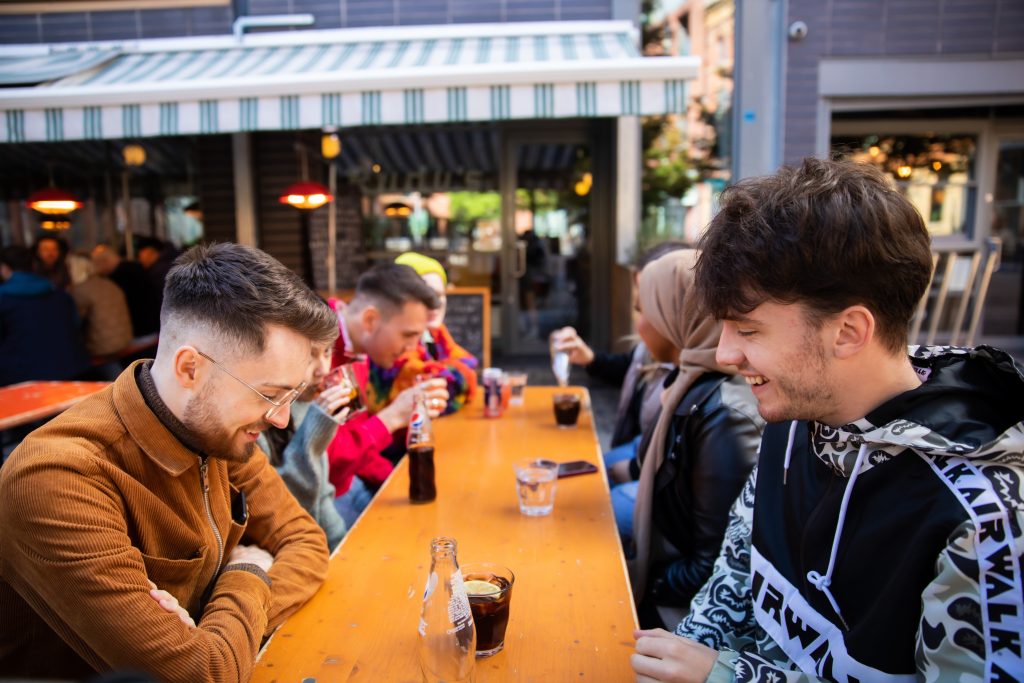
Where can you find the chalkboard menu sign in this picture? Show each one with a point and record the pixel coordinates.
(468, 319)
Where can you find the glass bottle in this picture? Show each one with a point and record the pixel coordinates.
(447, 636)
(419, 442)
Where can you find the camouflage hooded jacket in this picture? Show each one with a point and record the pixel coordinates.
(890, 549)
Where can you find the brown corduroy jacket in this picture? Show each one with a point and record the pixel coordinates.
(105, 497)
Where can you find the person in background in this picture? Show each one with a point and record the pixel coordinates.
(436, 354)
(138, 530)
(700, 452)
(298, 451)
(40, 338)
(143, 298)
(638, 373)
(50, 253)
(385, 319)
(102, 306)
(881, 535)
(157, 257)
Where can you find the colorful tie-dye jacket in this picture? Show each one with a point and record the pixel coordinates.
(442, 358)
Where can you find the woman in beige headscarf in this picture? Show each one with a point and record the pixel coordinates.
(702, 448)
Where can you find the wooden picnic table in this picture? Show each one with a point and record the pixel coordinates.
(572, 613)
(28, 401)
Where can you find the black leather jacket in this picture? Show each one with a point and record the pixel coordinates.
(714, 439)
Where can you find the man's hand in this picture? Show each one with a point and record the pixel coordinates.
(396, 414)
(667, 658)
(435, 395)
(334, 399)
(250, 554)
(568, 340)
(170, 604)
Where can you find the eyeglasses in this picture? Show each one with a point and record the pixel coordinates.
(286, 401)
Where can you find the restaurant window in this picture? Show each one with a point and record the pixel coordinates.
(936, 171)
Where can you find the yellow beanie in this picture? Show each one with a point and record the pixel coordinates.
(422, 264)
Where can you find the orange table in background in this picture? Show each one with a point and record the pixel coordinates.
(572, 614)
(29, 401)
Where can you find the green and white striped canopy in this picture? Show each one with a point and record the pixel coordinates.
(343, 78)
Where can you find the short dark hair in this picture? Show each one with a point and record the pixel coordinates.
(238, 291)
(149, 243)
(657, 251)
(17, 258)
(827, 234)
(389, 286)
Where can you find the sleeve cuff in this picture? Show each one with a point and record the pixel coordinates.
(252, 569)
(322, 427)
(724, 669)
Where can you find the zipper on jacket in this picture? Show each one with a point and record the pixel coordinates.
(203, 468)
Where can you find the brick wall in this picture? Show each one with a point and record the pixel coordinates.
(878, 28)
(197, 21)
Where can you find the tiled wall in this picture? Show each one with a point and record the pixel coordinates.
(891, 28)
(193, 21)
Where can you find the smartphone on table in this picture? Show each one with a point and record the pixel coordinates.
(574, 467)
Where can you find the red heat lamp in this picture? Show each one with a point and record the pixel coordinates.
(56, 203)
(305, 194)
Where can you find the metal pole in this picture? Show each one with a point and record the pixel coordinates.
(126, 199)
(332, 229)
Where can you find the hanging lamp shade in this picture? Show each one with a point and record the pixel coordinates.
(397, 210)
(305, 194)
(53, 202)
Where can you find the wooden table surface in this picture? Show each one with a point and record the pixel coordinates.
(28, 401)
(572, 615)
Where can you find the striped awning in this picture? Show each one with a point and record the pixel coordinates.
(344, 78)
(37, 66)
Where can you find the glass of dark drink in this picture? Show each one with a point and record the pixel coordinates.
(422, 488)
(567, 409)
(489, 588)
(346, 375)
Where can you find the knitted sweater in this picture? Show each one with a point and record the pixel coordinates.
(304, 469)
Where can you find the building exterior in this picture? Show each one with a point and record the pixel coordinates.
(499, 136)
(932, 92)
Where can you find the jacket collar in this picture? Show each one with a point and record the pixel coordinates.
(151, 434)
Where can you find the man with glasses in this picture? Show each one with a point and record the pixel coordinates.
(138, 531)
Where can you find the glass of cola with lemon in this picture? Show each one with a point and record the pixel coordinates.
(489, 588)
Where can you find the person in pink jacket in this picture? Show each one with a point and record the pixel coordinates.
(385, 318)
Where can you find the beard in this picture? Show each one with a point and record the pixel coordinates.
(209, 434)
(804, 393)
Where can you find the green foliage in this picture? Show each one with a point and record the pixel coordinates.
(468, 207)
(665, 168)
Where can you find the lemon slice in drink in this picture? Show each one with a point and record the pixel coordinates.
(477, 587)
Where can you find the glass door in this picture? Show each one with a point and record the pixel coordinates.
(546, 226)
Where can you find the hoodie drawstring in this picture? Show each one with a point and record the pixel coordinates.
(822, 582)
(789, 451)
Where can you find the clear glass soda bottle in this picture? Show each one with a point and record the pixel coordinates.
(419, 442)
(447, 635)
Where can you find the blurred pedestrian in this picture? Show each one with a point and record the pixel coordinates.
(157, 257)
(106, 322)
(49, 255)
(39, 335)
(143, 298)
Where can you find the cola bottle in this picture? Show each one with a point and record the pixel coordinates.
(447, 637)
(419, 442)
